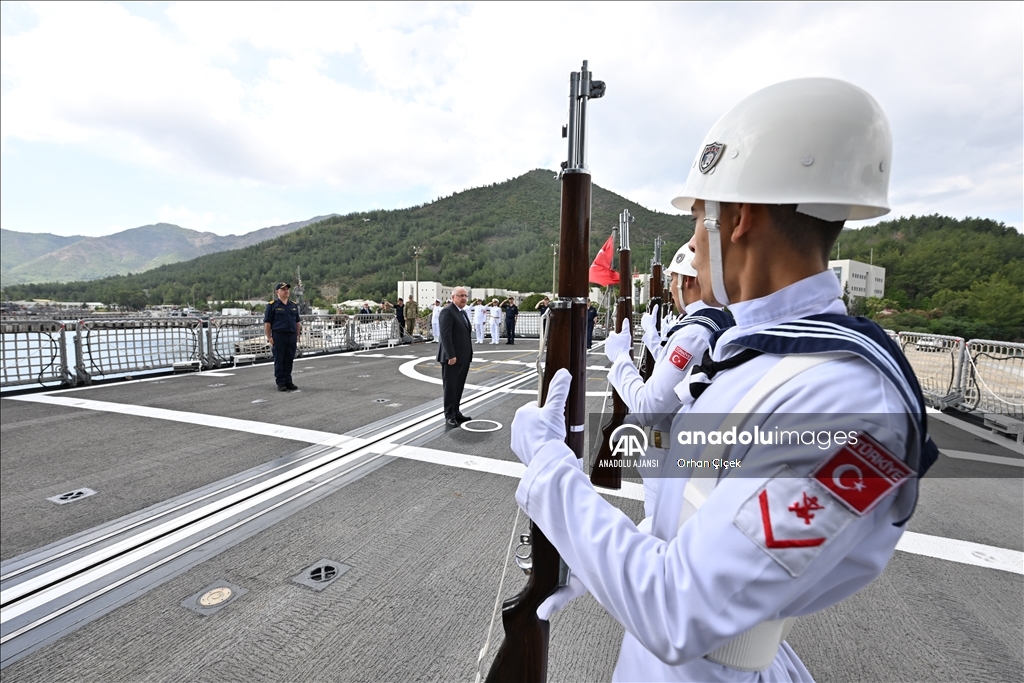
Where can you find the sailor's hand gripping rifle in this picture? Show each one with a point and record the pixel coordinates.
(523, 655)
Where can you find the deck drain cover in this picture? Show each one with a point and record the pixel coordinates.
(71, 496)
(321, 574)
(214, 597)
(381, 400)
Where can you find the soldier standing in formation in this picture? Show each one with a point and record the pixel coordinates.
(435, 320)
(733, 555)
(479, 319)
(494, 314)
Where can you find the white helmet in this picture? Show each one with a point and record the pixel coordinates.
(682, 262)
(820, 143)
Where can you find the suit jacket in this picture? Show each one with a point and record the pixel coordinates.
(455, 337)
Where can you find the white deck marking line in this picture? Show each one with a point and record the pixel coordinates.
(976, 430)
(216, 421)
(962, 552)
(981, 457)
(215, 373)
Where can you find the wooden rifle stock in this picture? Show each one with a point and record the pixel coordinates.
(602, 472)
(657, 295)
(523, 655)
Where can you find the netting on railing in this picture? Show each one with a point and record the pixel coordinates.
(326, 333)
(230, 337)
(34, 352)
(375, 329)
(994, 377)
(114, 347)
(937, 361)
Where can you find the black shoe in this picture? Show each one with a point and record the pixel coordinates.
(281, 387)
(463, 418)
(451, 423)
(292, 387)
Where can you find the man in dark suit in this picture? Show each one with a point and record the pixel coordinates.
(455, 354)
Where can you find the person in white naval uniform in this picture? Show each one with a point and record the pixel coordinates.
(656, 402)
(494, 315)
(734, 554)
(479, 318)
(435, 320)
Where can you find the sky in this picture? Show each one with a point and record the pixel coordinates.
(230, 117)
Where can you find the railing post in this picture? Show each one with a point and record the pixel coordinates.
(83, 375)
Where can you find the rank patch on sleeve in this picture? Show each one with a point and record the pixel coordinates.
(861, 474)
(791, 518)
(679, 357)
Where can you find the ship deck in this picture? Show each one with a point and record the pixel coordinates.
(356, 473)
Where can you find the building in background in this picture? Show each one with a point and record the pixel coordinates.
(859, 279)
(435, 290)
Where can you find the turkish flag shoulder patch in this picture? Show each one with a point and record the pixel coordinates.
(791, 518)
(861, 474)
(680, 357)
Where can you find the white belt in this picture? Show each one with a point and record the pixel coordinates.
(754, 649)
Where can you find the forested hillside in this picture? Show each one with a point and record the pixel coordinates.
(493, 236)
(943, 275)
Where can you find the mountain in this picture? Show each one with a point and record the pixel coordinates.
(22, 247)
(29, 258)
(943, 275)
(499, 235)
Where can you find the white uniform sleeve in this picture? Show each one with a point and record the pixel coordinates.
(657, 396)
(709, 581)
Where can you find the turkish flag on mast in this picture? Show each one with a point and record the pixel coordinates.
(601, 272)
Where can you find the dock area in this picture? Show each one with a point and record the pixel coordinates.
(203, 526)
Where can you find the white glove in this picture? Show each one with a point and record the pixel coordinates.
(667, 324)
(534, 427)
(561, 597)
(619, 343)
(652, 335)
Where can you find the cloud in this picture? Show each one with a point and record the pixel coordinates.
(362, 99)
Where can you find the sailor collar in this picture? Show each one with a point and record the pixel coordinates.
(813, 295)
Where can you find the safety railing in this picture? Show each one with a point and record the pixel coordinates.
(230, 338)
(34, 352)
(993, 377)
(326, 334)
(980, 375)
(375, 329)
(938, 362)
(118, 347)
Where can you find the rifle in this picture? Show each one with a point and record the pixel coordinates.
(601, 474)
(523, 655)
(657, 294)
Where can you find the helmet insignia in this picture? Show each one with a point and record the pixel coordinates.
(710, 156)
(679, 258)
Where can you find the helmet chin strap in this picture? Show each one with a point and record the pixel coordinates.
(715, 252)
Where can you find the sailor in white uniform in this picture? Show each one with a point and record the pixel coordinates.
(494, 315)
(435, 320)
(479, 318)
(655, 403)
(737, 550)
